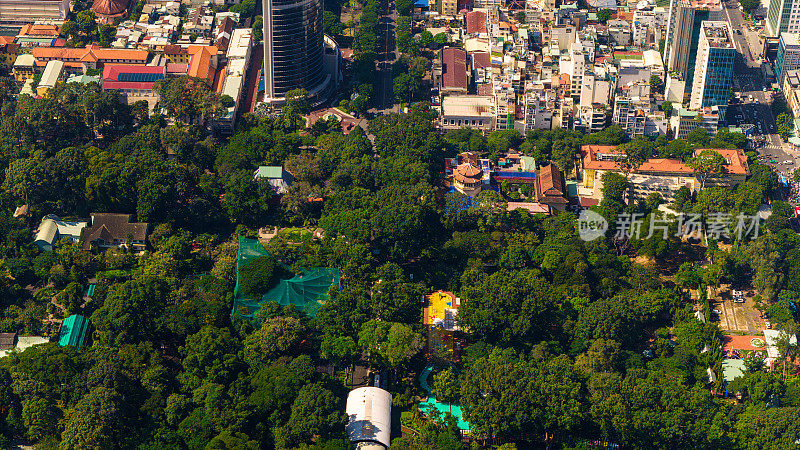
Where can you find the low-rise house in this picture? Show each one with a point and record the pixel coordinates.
(53, 73)
(23, 68)
(450, 71)
(662, 176)
(550, 187)
(133, 82)
(533, 208)
(8, 341)
(52, 229)
(468, 179)
(37, 35)
(280, 179)
(473, 111)
(91, 57)
(115, 230)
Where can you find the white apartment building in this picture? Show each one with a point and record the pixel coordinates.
(473, 111)
(538, 112)
(631, 107)
(713, 73)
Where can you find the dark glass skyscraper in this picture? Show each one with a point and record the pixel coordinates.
(293, 47)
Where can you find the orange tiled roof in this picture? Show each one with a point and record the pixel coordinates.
(737, 161)
(467, 173)
(89, 53)
(730, 342)
(200, 64)
(32, 29)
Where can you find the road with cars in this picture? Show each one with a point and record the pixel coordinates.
(752, 105)
(386, 57)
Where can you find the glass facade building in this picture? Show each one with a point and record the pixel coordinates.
(293, 46)
(714, 69)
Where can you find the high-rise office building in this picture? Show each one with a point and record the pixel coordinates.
(788, 55)
(680, 25)
(714, 70)
(783, 16)
(294, 53)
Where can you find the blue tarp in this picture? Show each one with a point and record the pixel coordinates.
(421, 3)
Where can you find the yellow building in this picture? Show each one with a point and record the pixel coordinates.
(23, 67)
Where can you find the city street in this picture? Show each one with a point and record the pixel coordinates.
(386, 57)
(754, 106)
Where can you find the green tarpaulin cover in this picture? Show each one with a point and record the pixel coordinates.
(307, 291)
(73, 330)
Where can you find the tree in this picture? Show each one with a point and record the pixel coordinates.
(187, 99)
(708, 163)
(258, 276)
(86, 22)
(769, 429)
(228, 440)
(98, 421)
(316, 414)
(40, 417)
(277, 336)
(402, 343)
(107, 34)
(445, 386)
(405, 87)
(339, 349)
(333, 26)
(749, 5)
(667, 108)
(131, 311)
(258, 29)
(785, 125)
(426, 38)
(246, 8)
(604, 15)
(246, 200)
(656, 84)
(440, 38)
(69, 29)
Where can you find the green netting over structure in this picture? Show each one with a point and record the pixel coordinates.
(306, 291)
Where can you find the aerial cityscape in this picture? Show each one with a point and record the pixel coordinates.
(399, 224)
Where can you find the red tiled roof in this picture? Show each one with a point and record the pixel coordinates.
(551, 183)
(533, 208)
(110, 8)
(140, 85)
(481, 59)
(484, 89)
(177, 68)
(476, 22)
(111, 72)
(454, 70)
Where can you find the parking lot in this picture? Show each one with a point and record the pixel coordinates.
(733, 316)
